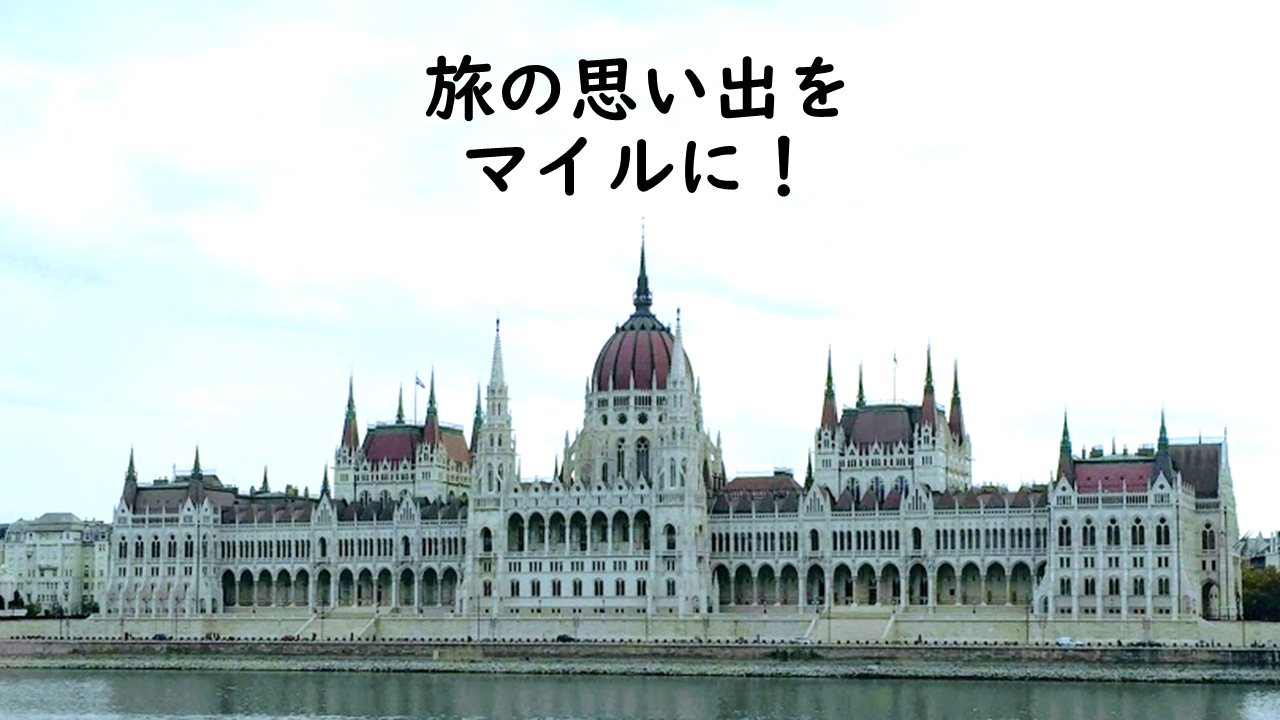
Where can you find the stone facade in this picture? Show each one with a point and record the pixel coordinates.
(56, 562)
(637, 520)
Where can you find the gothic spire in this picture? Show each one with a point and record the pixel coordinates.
(956, 419)
(431, 393)
(196, 472)
(350, 431)
(1066, 464)
(829, 418)
(431, 427)
(266, 486)
(496, 376)
(477, 422)
(808, 474)
(643, 297)
(324, 484)
(400, 407)
(678, 369)
(862, 397)
(1164, 462)
(131, 475)
(928, 406)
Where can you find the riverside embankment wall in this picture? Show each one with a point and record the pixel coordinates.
(993, 626)
(641, 651)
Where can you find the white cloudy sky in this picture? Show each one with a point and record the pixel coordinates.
(208, 217)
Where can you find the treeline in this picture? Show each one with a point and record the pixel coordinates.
(1261, 590)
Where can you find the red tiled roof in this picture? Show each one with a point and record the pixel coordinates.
(1199, 464)
(395, 443)
(762, 483)
(455, 445)
(1113, 477)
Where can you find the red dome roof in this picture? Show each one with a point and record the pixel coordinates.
(641, 348)
(642, 353)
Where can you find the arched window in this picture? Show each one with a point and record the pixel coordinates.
(1162, 532)
(622, 456)
(916, 539)
(1113, 533)
(486, 540)
(1064, 536)
(404, 546)
(1137, 535)
(642, 458)
(670, 532)
(1088, 534)
(813, 541)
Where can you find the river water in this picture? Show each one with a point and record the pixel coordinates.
(102, 695)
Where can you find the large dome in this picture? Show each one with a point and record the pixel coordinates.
(640, 349)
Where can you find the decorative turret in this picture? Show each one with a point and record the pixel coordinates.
(829, 417)
(196, 472)
(1066, 464)
(324, 484)
(266, 486)
(350, 430)
(956, 417)
(400, 407)
(497, 377)
(808, 474)
(928, 405)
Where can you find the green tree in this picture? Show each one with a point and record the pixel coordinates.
(1261, 590)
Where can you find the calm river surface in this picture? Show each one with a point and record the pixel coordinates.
(27, 695)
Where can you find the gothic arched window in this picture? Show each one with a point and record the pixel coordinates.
(642, 458)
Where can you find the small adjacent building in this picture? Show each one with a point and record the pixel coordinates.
(54, 563)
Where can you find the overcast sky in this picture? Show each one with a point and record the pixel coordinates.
(209, 218)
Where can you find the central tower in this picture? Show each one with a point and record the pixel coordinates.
(642, 431)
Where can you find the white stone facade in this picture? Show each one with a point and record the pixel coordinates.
(638, 518)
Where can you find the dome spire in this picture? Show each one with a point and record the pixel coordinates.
(643, 297)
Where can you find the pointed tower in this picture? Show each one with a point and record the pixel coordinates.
(1164, 461)
(350, 430)
(400, 407)
(266, 486)
(130, 483)
(476, 422)
(196, 472)
(928, 404)
(829, 416)
(956, 417)
(1066, 464)
(808, 474)
(862, 396)
(643, 297)
(324, 484)
(431, 427)
(496, 457)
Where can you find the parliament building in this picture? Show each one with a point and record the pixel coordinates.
(639, 518)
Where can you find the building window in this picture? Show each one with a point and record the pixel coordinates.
(597, 588)
(642, 458)
(577, 588)
(671, 588)
(619, 587)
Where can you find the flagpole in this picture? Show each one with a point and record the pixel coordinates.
(895, 376)
(415, 397)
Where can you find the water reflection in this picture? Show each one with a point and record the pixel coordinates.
(29, 695)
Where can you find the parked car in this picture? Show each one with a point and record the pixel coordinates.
(1067, 642)
(159, 636)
